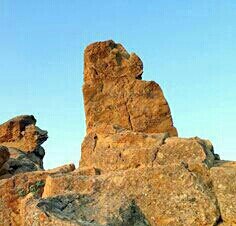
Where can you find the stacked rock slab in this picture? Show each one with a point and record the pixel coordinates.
(133, 147)
(134, 170)
(118, 102)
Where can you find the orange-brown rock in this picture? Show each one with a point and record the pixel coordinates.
(14, 190)
(115, 95)
(73, 182)
(192, 150)
(134, 170)
(4, 155)
(21, 133)
(120, 151)
(223, 178)
(126, 149)
(164, 195)
(22, 139)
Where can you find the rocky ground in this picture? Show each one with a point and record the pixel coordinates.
(134, 170)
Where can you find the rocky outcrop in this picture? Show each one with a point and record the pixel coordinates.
(120, 151)
(161, 193)
(21, 139)
(134, 170)
(22, 133)
(223, 177)
(115, 95)
(17, 188)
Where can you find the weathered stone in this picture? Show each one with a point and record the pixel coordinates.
(23, 140)
(226, 224)
(163, 195)
(115, 95)
(62, 169)
(74, 208)
(104, 60)
(14, 190)
(120, 151)
(4, 155)
(60, 211)
(134, 171)
(21, 133)
(72, 182)
(20, 162)
(189, 151)
(223, 178)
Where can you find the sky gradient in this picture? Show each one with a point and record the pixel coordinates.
(187, 46)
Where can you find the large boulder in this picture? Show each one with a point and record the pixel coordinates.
(114, 93)
(21, 149)
(187, 150)
(22, 133)
(126, 149)
(163, 195)
(14, 190)
(120, 151)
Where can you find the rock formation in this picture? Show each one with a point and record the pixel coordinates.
(21, 133)
(21, 142)
(134, 170)
(115, 95)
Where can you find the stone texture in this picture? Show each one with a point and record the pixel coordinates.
(192, 150)
(75, 209)
(120, 151)
(4, 155)
(134, 170)
(149, 189)
(53, 211)
(115, 95)
(22, 139)
(223, 178)
(126, 149)
(20, 162)
(21, 133)
(73, 182)
(13, 190)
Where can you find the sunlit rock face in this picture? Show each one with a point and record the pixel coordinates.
(22, 133)
(115, 95)
(22, 140)
(134, 170)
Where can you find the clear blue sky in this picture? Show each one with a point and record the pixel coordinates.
(187, 46)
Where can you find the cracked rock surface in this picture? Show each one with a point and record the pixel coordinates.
(134, 170)
(114, 93)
